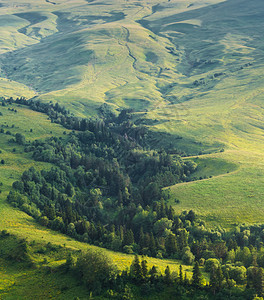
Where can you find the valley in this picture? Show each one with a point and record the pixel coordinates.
(160, 80)
(171, 62)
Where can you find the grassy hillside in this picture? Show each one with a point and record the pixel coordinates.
(86, 53)
(218, 100)
(192, 69)
(42, 276)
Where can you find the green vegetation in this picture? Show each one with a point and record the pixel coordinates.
(63, 273)
(55, 198)
(23, 226)
(195, 84)
(207, 167)
(163, 79)
(106, 189)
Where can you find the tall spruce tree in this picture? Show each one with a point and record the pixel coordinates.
(136, 269)
(197, 276)
(180, 275)
(144, 268)
(153, 274)
(171, 244)
(167, 277)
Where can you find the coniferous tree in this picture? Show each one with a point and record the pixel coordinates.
(171, 213)
(162, 210)
(136, 269)
(180, 275)
(197, 276)
(69, 189)
(186, 280)
(144, 268)
(120, 199)
(121, 232)
(129, 237)
(141, 238)
(251, 277)
(167, 278)
(153, 274)
(152, 244)
(146, 240)
(219, 278)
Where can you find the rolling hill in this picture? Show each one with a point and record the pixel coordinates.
(192, 73)
(192, 69)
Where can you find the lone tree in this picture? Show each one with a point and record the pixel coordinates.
(167, 278)
(136, 269)
(96, 269)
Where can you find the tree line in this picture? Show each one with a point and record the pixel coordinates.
(100, 275)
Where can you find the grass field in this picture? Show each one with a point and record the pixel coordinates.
(208, 167)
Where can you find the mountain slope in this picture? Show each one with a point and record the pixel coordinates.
(193, 69)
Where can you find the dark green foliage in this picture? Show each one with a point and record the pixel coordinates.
(216, 279)
(180, 275)
(20, 139)
(144, 268)
(259, 282)
(14, 249)
(171, 244)
(136, 269)
(167, 277)
(127, 293)
(106, 189)
(153, 274)
(95, 269)
(197, 276)
(97, 170)
(129, 237)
